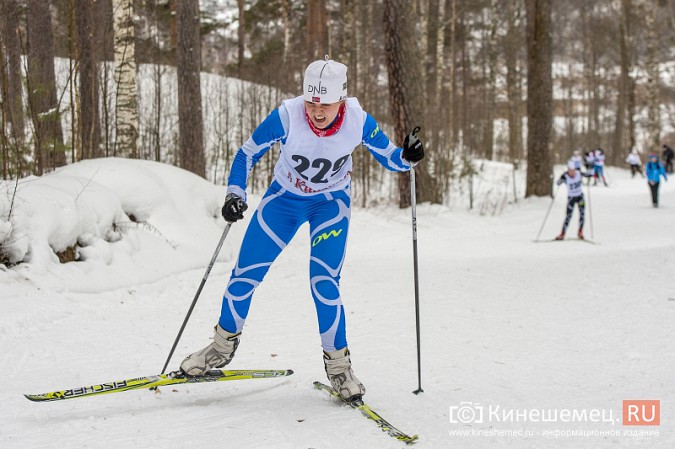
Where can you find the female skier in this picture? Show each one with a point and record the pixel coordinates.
(318, 132)
(575, 195)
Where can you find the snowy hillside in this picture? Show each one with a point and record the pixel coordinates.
(524, 345)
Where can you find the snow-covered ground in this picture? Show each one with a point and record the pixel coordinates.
(524, 345)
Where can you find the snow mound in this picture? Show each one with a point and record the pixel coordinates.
(111, 212)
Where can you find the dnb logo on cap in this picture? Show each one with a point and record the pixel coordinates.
(325, 82)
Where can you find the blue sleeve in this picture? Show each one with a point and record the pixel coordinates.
(385, 152)
(270, 131)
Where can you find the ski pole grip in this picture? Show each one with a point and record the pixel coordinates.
(412, 137)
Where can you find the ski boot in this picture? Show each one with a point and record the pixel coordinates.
(560, 236)
(216, 355)
(342, 379)
(580, 234)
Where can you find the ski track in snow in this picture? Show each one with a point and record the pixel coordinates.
(505, 322)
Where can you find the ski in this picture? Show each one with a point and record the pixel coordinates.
(585, 240)
(172, 378)
(370, 414)
(592, 242)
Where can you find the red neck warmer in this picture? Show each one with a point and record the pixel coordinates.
(333, 127)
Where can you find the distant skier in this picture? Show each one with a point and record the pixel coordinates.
(317, 131)
(577, 159)
(668, 156)
(599, 166)
(655, 170)
(589, 161)
(635, 164)
(573, 180)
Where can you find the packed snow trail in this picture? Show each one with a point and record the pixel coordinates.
(507, 324)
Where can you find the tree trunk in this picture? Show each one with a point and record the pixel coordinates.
(402, 68)
(4, 141)
(440, 134)
(632, 110)
(467, 137)
(90, 126)
(437, 93)
(450, 127)
(188, 60)
(513, 93)
(431, 74)
(13, 102)
(126, 109)
(590, 70)
(317, 30)
(105, 47)
(287, 29)
(41, 88)
(368, 72)
(652, 69)
(241, 36)
(453, 126)
(568, 107)
(491, 100)
(346, 49)
(624, 83)
(539, 97)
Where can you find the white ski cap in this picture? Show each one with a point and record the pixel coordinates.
(571, 166)
(325, 82)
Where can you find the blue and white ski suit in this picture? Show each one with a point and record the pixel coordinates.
(311, 184)
(575, 195)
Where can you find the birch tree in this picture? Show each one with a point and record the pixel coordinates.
(126, 106)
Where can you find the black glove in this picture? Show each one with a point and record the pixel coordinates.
(234, 208)
(413, 150)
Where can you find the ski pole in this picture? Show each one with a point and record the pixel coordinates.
(413, 201)
(547, 212)
(199, 290)
(590, 215)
